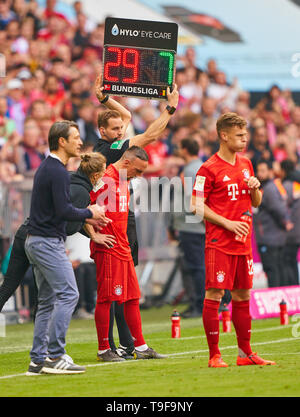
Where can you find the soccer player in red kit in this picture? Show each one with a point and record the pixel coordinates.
(224, 192)
(116, 276)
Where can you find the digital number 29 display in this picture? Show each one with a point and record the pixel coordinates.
(138, 66)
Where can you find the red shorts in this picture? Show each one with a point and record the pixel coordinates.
(229, 272)
(116, 278)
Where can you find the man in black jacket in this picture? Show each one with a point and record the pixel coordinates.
(271, 222)
(291, 182)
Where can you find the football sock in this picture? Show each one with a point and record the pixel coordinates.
(102, 313)
(210, 317)
(133, 318)
(242, 323)
(142, 348)
(102, 351)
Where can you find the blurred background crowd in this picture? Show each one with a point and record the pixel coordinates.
(50, 67)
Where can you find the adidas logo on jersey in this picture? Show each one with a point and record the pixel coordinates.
(226, 178)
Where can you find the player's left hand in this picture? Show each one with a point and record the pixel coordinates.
(252, 182)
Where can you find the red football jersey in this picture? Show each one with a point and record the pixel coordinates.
(227, 194)
(114, 195)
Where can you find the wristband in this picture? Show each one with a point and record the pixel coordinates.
(170, 109)
(104, 100)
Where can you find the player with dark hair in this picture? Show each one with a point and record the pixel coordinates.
(112, 125)
(224, 192)
(116, 276)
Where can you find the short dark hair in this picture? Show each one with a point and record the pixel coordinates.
(191, 145)
(58, 130)
(135, 152)
(287, 166)
(104, 117)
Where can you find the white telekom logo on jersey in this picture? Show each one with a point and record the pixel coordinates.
(123, 203)
(233, 191)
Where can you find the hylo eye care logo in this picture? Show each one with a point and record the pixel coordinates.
(115, 30)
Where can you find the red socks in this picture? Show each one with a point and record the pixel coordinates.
(102, 315)
(242, 323)
(133, 319)
(210, 317)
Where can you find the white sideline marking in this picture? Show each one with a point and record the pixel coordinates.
(175, 354)
(10, 349)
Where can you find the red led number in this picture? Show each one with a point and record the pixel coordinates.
(130, 60)
(133, 66)
(109, 65)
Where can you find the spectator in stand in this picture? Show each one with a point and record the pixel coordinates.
(7, 125)
(259, 147)
(291, 182)
(209, 111)
(54, 95)
(85, 122)
(29, 150)
(271, 223)
(212, 69)
(17, 104)
(6, 14)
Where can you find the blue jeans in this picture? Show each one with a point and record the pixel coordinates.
(57, 295)
(192, 246)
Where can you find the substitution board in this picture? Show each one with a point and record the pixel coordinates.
(139, 57)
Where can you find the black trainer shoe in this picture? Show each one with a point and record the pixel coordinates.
(125, 352)
(148, 354)
(61, 366)
(109, 356)
(34, 369)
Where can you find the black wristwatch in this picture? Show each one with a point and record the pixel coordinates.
(104, 100)
(171, 109)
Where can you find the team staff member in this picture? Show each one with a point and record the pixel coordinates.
(116, 276)
(291, 182)
(224, 191)
(57, 290)
(82, 182)
(112, 125)
(271, 222)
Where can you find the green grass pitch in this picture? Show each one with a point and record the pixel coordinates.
(184, 374)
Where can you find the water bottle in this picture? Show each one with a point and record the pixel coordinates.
(246, 217)
(175, 325)
(284, 317)
(226, 320)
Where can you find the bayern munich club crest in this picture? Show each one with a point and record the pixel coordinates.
(246, 173)
(220, 276)
(118, 289)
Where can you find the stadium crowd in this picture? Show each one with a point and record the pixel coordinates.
(51, 65)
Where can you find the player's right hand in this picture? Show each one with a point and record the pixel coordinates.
(106, 240)
(173, 97)
(98, 213)
(239, 228)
